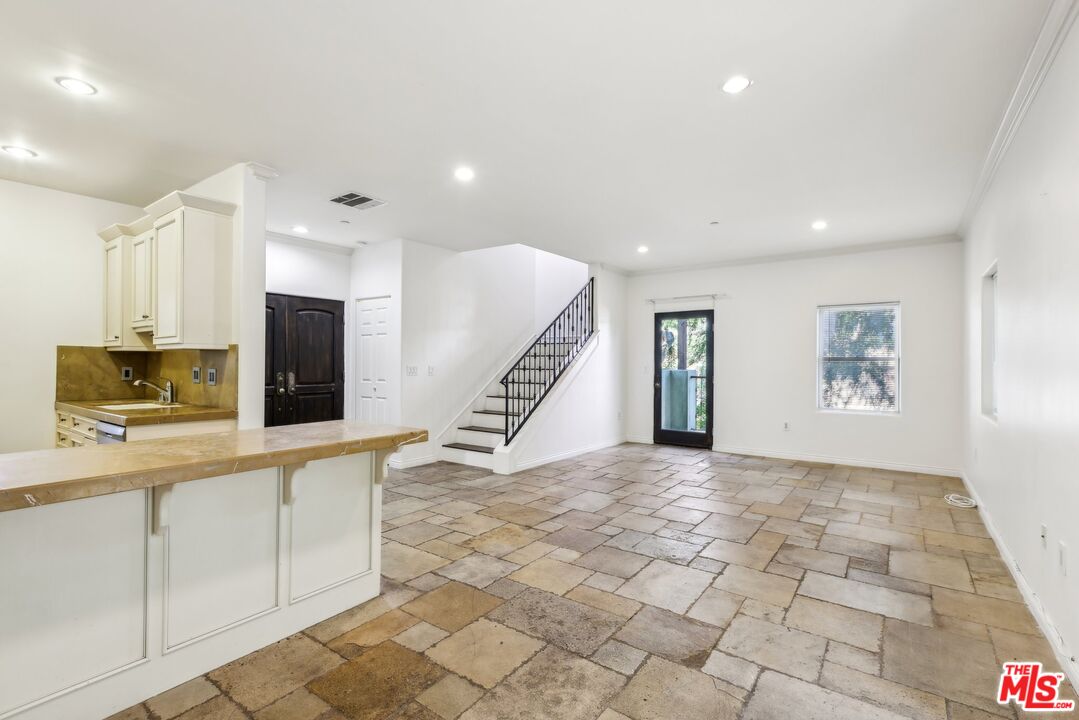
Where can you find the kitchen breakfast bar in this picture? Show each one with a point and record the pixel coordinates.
(127, 569)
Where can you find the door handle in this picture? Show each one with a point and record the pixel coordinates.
(291, 383)
(280, 383)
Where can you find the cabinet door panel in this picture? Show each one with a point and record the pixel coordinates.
(168, 242)
(113, 293)
(142, 281)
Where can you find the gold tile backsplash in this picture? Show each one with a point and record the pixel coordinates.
(93, 373)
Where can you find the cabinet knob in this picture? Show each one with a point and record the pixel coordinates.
(145, 317)
(115, 337)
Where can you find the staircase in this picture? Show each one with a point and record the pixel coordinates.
(508, 402)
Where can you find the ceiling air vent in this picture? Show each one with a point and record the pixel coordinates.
(357, 201)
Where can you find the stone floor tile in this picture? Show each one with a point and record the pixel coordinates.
(553, 684)
(612, 561)
(477, 569)
(619, 657)
(402, 563)
(955, 666)
(377, 682)
(452, 606)
(888, 581)
(852, 657)
(519, 514)
(588, 501)
(735, 553)
(299, 704)
(352, 618)
(783, 510)
(601, 600)
(484, 652)
(415, 533)
(667, 549)
(372, 633)
(931, 568)
(996, 590)
(552, 575)
(563, 554)
(778, 696)
(1011, 646)
(672, 636)
(450, 696)
(609, 714)
(716, 607)
(529, 553)
(985, 610)
(728, 527)
(181, 698)
(566, 623)
(503, 540)
(603, 581)
(847, 625)
(871, 551)
(906, 701)
(420, 636)
(870, 598)
(961, 542)
(135, 712)
(790, 651)
(416, 711)
(444, 549)
(666, 585)
(582, 520)
(766, 587)
(810, 559)
(576, 539)
(473, 524)
(638, 523)
(219, 708)
(428, 582)
(661, 688)
(256, 680)
(736, 671)
(505, 588)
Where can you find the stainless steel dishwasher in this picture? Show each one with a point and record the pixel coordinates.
(108, 433)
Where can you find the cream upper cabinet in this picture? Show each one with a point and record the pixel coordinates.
(192, 280)
(114, 292)
(142, 282)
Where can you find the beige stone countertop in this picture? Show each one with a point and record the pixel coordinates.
(42, 477)
(151, 416)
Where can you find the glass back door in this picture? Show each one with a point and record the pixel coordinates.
(683, 378)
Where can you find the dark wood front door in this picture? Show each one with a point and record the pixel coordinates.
(305, 360)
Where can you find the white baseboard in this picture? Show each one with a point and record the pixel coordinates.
(1045, 624)
(529, 464)
(833, 460)
(399, 462)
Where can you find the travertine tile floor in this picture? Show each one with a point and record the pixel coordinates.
(651, 582)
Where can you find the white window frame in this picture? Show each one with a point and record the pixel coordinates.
(898, 358)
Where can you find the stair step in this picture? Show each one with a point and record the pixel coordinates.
(494, 412)
(480, 428)
(473, 448)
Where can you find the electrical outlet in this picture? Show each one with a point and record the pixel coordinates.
(196, 375)
(1063, 558)
(127, 374)
(430, 370)
(786, 427)
(211, 376)
(1045, 536)
(412, 370)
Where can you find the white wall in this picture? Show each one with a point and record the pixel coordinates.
(1022, 465)
(765, 353)
(51, 277)
(558, 280)
(308, 269)
(244, 186)
(585, 409)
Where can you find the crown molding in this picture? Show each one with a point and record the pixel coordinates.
(262, 172)
(308, 243)
(1054, 30)
(806, 255)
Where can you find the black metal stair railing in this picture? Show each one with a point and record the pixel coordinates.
(554, 350)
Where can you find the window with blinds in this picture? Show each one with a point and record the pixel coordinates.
(858, 357)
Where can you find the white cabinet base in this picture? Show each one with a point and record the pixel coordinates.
(114, 599)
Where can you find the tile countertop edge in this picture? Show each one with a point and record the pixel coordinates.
(44, 477)
(155, 416)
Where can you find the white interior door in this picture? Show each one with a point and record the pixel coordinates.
(373, 357)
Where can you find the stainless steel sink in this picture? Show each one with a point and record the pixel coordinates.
(138, 406)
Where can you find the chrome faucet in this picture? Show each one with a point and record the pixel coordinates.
(165, 394)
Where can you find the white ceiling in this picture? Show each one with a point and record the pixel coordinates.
(593, 127)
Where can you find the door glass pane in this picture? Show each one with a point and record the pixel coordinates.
(683, 374)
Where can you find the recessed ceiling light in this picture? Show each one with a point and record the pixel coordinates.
(819, 225)
(464, 173)
(642, 249)
(19, 152)
(299, 229)
(76, 86)
(736, 84)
